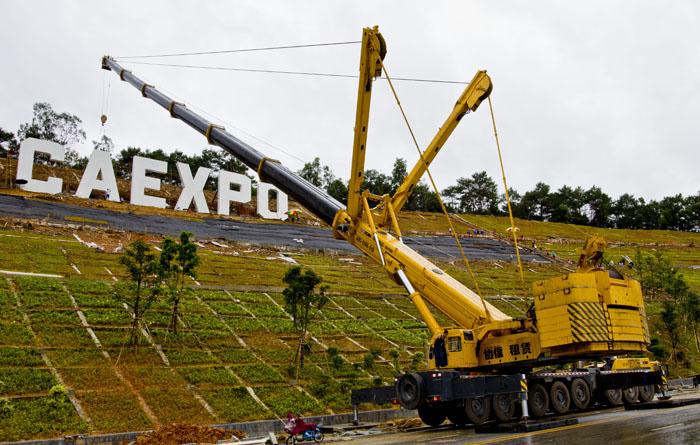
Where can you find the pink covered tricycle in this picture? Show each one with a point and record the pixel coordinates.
(299, 430)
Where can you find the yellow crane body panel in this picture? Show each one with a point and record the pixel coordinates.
(590, 313)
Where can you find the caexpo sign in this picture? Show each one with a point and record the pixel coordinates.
(99, 175)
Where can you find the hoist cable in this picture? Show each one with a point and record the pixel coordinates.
(230, 125)
(437, 193)
(510, 212)
(299, 73)
(243, 50)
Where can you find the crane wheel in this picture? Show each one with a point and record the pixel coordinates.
(411, 389)
(559, 397)
(478, 409)
(432, 415)
(630, 395)
(538, 400)
(646, 393)
(503, 407)
(612, 397)
(580, 393)
(457, 415)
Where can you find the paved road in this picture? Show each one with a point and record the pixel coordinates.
(275, 234)
(651, 427)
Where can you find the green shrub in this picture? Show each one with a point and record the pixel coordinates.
(38, 284)
(233, 404)
(284, 400)
(89, 287)
(214, 376)
(18, 381)
(258, 373)
(188, 357)
(235, 356)
(368, 361)
(5, 408)
(20, 357)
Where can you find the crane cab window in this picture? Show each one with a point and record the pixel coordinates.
(454, 344)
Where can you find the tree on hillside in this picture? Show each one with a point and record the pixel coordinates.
(672, 214)
(626, 212)
(567, 205)
(536, 203)
(376, 182)
(141, 265)
(423, 199)
(62, 128)
(691, 310)
(398, 174)
(692, 212)
(302, 303)
(104, 144)
(124, 161)
(599, 207)
(12, 144)
(649, 214)
(515, 199)
(317, 174)
(670, 325)
(477, 195)
(339, 190)
(177, 261)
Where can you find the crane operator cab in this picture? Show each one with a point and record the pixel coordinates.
(453, 348)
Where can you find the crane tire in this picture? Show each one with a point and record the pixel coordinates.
(432, 415)
(612, 397)
(580, 393)
(411, 389)
(457, 415)
(559, 397)
(478, 409)
(646, 393)
(538, 400)
(630, 395)
(503, 407)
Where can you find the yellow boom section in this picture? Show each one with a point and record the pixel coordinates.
(439, 289)
(479, 89)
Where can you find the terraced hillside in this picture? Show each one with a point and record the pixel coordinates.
(232, 359)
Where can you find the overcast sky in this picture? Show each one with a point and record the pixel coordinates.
(603, 93)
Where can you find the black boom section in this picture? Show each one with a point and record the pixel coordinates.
(308, 195)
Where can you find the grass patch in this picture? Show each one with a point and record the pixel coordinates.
(284, 400)
(258, 373)
(18, 381)
(216, 376)
(85, 220)
(114, 411)
(233, 404)
(34, 418)
(20, 357)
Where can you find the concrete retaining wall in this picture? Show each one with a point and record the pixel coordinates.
(259, 428)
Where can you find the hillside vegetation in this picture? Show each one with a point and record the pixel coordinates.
(232, 359)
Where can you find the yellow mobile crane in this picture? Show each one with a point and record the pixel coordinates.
(485, 359)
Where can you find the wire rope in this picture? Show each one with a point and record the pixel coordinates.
(230, 125)
(299, 73)
(437, 193)
(510, 212)
(242, 50)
